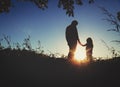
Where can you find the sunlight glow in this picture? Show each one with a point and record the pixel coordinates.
(80, 55)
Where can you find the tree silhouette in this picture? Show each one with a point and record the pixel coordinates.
(67, 5)
(114, 20)
(5, 5)
(118, 15)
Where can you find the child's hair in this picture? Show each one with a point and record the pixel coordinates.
(89, 42)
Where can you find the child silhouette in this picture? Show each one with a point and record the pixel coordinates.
(89, 48)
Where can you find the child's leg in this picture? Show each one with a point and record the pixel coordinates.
(89, 57)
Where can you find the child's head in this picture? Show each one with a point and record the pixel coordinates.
(89, 40)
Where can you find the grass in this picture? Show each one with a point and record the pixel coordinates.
(26, 68)
(23, 66)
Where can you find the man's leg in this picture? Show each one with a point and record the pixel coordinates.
(71, 53)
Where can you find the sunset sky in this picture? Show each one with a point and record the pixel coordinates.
(48, 26)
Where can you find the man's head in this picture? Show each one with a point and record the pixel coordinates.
(74, 22)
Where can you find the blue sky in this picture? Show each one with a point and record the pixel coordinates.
(49, 25)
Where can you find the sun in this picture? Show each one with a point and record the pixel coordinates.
(80, 55)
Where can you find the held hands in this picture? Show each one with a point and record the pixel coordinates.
(81, 43)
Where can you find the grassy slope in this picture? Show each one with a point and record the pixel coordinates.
(23, 68)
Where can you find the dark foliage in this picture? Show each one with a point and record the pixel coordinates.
(28, 69)
(68, 5)
(114, 20)
(27, 43)
(5, 5)
(118, 15)
(112, 50)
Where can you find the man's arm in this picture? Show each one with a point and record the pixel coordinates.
(78, 37)
(79, 42)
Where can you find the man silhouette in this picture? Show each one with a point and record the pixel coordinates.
(72, 38)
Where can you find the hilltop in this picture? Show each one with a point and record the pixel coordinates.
(29, 69)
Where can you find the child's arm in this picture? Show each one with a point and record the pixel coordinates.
(84, 44)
